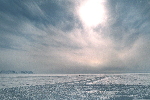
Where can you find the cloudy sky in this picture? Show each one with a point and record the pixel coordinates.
(75, 36)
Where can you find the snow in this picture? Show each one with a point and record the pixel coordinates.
(75, 87)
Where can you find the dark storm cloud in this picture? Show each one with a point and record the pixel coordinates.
(129, 22)
(48, 36)
(31, 29)
(131, 19)
(34, 15)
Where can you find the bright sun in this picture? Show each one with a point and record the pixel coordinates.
(92, 12)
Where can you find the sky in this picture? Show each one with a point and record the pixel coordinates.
(75, 36)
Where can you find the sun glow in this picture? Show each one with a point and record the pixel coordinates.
(92, 12)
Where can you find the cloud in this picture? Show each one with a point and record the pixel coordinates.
(49, 37)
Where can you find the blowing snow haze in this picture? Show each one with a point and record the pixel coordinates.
(75, 36)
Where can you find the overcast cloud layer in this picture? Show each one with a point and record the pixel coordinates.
(49, 36)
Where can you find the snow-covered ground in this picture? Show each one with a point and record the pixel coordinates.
(75, 87)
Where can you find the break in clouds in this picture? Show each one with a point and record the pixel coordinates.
(69, 36)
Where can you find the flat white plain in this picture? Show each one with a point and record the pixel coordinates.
(75, 86)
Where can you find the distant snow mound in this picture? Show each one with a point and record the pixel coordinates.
(8, 72)
(26, 72)
(14, 72)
